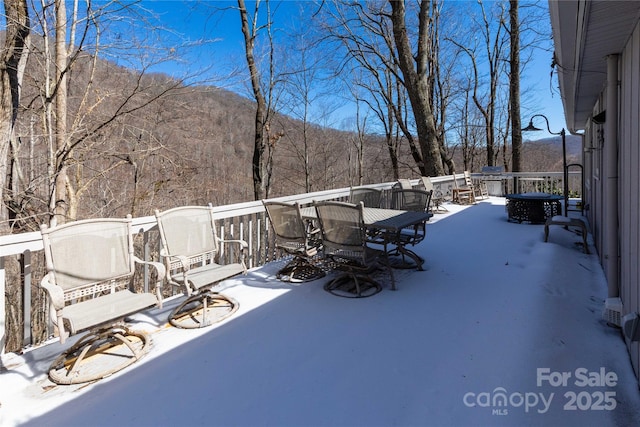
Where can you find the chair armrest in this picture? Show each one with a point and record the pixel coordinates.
(160, 268)
(56, 294)
(162, 276)
(242, 243)
(169, 259)
(56, 298)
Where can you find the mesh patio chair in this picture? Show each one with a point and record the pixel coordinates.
(403, 183)
(371, 197)
(297, 238)
(437, 197)
(345, 247)
(410, 200)
(90, 267)
(190, 251)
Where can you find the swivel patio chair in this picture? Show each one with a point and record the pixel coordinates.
(410, 200)
(437, 198)
(403, 183)
(345, 247)
(89, 283)
(371, 197)
(297, 238)
(191, 251)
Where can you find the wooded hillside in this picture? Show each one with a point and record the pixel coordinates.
(188, 145)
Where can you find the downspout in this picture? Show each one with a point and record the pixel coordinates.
(611, 178)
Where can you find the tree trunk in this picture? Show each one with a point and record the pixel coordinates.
(416, 78)
(13, 55)
(60, 200)
(259, 146)
(514, 89)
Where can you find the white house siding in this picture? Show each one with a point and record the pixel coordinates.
(585, 33)
(629, 182)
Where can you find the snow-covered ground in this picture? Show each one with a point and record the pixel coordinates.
(502, 329)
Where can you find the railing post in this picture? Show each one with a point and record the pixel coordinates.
(250, 242)
(147, 257)
(25, 273)
(3, 314)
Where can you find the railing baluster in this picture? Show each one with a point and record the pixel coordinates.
(3, 314)
(146, 251)
(250, 243)
(25, 273)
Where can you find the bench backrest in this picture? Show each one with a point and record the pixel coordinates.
(188, 231)
(83, 254)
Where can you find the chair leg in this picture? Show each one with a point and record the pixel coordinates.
(349, 285)
(100, 353)
(300, 270)
(202, 309)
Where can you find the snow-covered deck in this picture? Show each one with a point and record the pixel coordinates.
(502, 329)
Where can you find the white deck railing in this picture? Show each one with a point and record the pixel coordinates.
(242, 220)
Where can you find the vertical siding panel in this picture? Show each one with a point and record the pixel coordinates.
(629, 158)
(625, 172)
(635, 185)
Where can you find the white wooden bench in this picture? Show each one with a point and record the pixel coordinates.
(90, 267)
(567, 222)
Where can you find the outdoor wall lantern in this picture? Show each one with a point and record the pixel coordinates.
(565, 169)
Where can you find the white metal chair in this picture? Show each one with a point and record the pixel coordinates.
(403, 183)
(89, 282)
(190, 251)
(437, 198)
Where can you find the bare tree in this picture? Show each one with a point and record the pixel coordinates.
(494, 43)
(415, 70)
(263, 141)
(14, 55)
(378, 43)
(65, 110)
(514, 87)
(301, 79)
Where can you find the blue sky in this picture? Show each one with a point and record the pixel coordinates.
(224, 42)
(216, 44)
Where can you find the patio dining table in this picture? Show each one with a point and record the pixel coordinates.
(390, 223)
